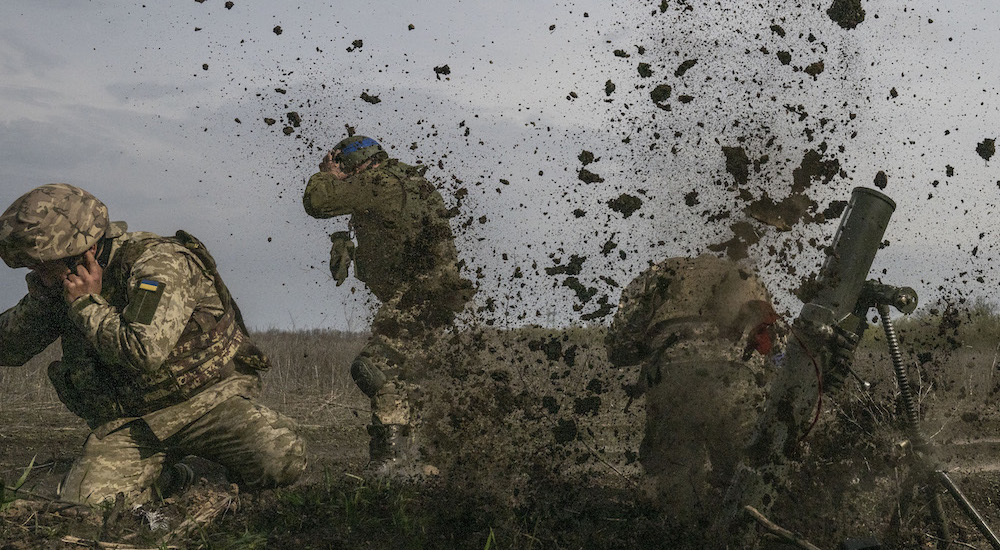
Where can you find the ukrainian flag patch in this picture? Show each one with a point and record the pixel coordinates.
(144, 301)
(149, 284)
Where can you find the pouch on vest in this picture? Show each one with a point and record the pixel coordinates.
(85, 390)
(249, 357)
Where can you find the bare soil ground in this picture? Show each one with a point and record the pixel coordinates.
(536, 440)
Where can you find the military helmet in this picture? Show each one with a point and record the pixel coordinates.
(355, 150)
(51, 222)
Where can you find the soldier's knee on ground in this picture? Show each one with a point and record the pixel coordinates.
(284, 467)
(121, 462)
(280, 454)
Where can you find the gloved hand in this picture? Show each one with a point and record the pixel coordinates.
(841, 346)
(341, 255)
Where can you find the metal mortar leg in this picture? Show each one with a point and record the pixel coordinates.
(920, 444)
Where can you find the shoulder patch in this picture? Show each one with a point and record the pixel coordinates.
(144, 301)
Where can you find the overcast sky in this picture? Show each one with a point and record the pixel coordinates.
(160, 109)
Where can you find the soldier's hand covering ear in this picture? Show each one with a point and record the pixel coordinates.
(84, 279)
(341, 255)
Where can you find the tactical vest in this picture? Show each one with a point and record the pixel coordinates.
(208, 350)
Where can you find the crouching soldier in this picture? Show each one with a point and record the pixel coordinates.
(704, 332)
(155, 355)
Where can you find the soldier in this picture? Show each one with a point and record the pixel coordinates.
(155, 356)
(704, 332)
(406, 255)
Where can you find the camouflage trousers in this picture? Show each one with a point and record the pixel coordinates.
(258, 447)
(404, 332)
(384, 371)
(701, 403)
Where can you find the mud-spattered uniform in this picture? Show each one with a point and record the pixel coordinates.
(703, 331)
(160, 367)
(406, 255)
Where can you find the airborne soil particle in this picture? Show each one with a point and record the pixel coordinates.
(986, 149)
(587, 176)
(583, 293)
(660, 94)
(683, 67)
(442, 70)
(744, 236)
(373, 99)
(606, 308)
(814, 69)
(813, 166)
(737, 164)
(881, 180)
(644, 70)
(846, 13)
(625, 204)
(834, 210)
(587, 405)
(565, 431)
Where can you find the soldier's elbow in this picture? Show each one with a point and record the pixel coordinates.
(312, 209)
(144, 361)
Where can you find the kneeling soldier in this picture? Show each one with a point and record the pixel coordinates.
(704, 332)
(155, 355)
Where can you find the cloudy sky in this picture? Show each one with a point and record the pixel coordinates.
(159, 109)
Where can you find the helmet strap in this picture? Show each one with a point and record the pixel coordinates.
(103, 252)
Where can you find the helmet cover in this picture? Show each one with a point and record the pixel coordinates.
(51, 222)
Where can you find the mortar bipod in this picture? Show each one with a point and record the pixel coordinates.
(880, 296)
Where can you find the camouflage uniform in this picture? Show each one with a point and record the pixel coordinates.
(703, 331)
(406, 255)
(159, 363)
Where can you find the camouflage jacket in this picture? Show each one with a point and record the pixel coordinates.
(153, 308)
(704, 301)
(400, 222)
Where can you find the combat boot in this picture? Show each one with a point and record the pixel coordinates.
(390, 450)
(175, 480)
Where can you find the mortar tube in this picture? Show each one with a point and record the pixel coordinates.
(852, 253)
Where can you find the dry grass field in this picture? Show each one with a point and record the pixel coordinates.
(536, 441)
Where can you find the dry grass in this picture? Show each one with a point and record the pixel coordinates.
(312, 363)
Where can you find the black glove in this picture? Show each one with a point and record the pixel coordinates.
(841, 346)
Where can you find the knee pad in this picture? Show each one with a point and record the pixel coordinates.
(367, 375)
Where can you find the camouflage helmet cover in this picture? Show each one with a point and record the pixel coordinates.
(354, 151)
(51, 222)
